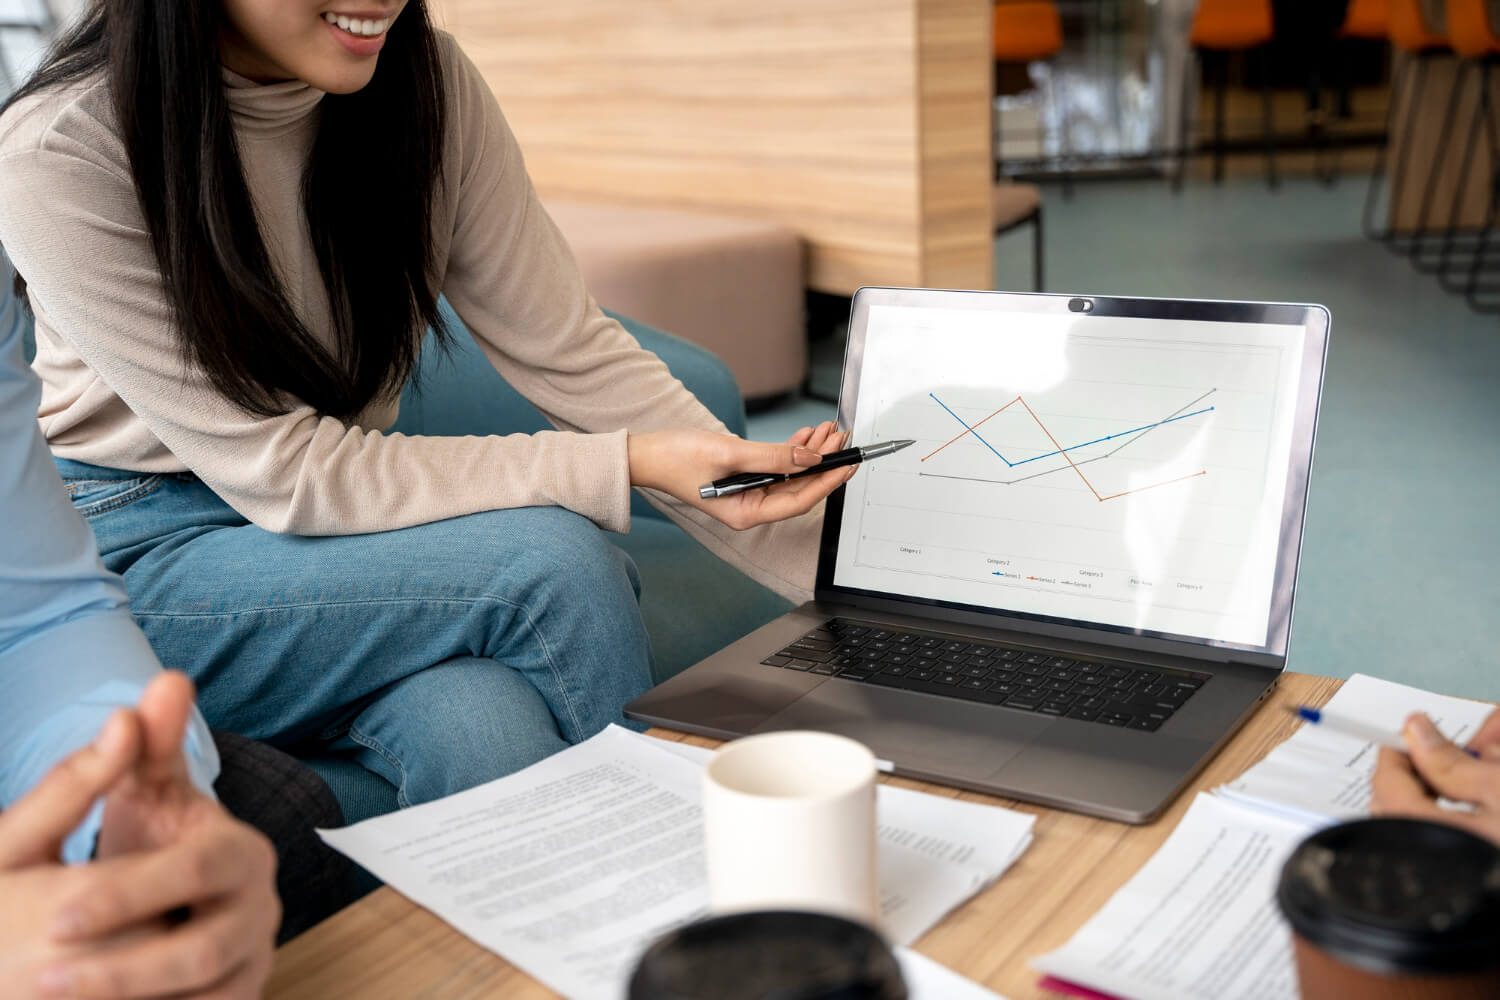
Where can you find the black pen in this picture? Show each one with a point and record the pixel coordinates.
(754, 480)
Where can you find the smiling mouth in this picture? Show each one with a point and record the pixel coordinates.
(359, 27)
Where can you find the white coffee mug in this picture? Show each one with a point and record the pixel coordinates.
(789, 823)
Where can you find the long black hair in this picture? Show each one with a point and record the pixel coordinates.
(368, 192)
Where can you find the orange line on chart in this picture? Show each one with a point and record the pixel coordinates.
(1169, 482)
(1059, 447)
(970, 430)
(1064, 453)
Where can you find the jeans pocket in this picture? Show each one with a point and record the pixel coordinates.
(98, 496)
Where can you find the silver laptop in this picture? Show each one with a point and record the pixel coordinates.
(1078, 582)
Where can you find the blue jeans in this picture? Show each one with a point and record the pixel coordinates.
(439, 656)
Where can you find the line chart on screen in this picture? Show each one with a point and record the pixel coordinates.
(1070, 454)
(1131, 477)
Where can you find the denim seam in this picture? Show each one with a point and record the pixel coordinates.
(146, 488)
(551, 665)
(371, 743)
(525, 613)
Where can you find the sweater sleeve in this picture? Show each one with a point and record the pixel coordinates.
(72, 224)
(513, 280)
(69, 651)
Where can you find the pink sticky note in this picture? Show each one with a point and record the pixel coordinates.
(1072, 989)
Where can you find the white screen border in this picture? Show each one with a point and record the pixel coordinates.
(1314, 321)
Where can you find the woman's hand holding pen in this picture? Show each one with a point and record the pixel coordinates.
(1409, 784)
(678, 462)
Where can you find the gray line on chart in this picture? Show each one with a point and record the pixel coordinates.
(1162, 421)
(1012, 482)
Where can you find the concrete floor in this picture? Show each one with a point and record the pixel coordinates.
(1400, 572)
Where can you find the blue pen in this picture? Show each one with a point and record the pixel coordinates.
(1356, 729)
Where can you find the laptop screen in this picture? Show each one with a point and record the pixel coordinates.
(1140, 466)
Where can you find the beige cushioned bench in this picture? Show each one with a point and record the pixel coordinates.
(732, 285)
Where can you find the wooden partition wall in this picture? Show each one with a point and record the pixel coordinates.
(862, 124)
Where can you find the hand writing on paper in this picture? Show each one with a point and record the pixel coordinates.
(1409, 784)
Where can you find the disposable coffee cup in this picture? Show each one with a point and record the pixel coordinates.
(789, 824)
(769, 956)
(1382, 909)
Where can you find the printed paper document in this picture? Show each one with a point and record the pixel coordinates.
(1199, 920)
(927, 980)
(1321, 776)
(572, 867)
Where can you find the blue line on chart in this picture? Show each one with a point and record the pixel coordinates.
(971, 430)
(1035, 458)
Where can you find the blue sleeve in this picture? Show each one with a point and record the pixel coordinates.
(69, 651)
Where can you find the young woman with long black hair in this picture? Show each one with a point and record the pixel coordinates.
(234, 219)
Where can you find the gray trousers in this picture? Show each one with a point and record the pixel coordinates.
(283, 799)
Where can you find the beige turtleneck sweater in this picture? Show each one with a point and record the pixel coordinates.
(116, 391)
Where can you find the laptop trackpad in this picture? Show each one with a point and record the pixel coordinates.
(943, 736)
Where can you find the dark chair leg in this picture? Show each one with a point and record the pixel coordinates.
(1268, 113)
(1343, 63)
(1319, 126)
(1190, 73)
(1416, 242)
(1479, 264)
(1460, 189)
(1036, 249)
(1220, 92)
(1412, 77)
(1472, 290)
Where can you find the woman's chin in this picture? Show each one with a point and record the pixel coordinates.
(345, 79)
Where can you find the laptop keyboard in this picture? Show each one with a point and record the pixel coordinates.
(1112, 694)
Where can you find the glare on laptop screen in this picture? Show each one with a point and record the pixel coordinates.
(1122, 471)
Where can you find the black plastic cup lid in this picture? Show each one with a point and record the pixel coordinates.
(771, 955)
(1397, 896)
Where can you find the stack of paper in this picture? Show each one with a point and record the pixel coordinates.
(572, 867)
(1320, 776)
(1200, 920)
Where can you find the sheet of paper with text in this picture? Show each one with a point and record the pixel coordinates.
(572, 867)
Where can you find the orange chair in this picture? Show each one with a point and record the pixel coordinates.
(1470, 32)
(1366, 19)
(1409, 33)
(1223, 27)
(1474, 38)
(1229, 25)
(1423, 23)
(1026, 31)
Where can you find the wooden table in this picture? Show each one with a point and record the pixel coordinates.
(385, 946)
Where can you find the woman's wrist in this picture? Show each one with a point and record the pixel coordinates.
(643, 454)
